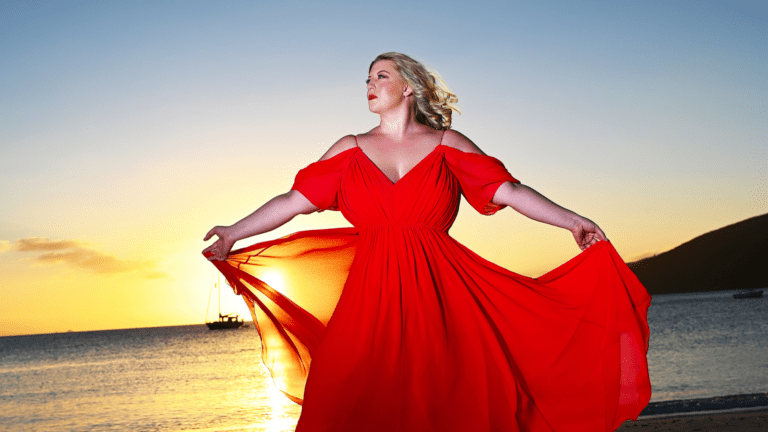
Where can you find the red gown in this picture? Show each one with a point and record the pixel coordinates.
(408, 330)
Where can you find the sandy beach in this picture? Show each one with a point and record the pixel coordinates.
(740, 421)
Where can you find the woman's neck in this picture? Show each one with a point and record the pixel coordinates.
(398, 123)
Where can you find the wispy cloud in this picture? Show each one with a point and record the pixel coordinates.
(79, 254)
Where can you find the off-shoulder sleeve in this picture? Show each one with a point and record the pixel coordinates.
(480, 176)
(319, 181)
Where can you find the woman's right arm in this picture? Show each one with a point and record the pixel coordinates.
(275, 213)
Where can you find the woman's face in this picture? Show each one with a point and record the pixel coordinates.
(386, 88)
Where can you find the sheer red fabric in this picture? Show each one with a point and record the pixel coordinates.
(405, 329)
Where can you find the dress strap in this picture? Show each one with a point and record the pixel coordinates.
(441, 137)
(355, 137)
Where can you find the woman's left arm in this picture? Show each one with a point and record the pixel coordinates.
(536, 206)
(531, 203)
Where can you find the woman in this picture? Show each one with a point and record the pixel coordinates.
(428, 336)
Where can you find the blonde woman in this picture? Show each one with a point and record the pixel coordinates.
(406, 329)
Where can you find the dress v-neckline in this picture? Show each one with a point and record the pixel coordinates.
(393, 183)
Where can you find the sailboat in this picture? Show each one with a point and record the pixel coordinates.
(227, 321)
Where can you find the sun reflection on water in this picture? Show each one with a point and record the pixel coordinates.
(277, 413)
(284, 413)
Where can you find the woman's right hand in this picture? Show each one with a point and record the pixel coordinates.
(221, 247)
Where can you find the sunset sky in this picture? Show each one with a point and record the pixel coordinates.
(128, 129)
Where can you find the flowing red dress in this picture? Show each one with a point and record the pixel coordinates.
(408, 330)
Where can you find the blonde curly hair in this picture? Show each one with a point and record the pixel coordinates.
(434, 102)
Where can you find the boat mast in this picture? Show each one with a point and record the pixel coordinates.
(210, 291)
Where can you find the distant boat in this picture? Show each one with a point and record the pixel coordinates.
(751, 293)
(227, 321)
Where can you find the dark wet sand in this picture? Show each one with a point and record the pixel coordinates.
(745, 421)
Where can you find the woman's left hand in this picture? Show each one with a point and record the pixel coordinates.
(587, 233)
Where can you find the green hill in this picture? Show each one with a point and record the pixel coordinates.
(732, 257)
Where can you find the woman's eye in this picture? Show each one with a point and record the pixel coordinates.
(368, 81)
(382, 76)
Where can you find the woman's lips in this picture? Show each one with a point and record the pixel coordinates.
(371, 96)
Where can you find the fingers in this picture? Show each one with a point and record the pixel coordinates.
(595, 235)
(220, 249)
(216, 256)
(212, 251)
(593, 238)
(210, 234)
(216, 251)
(587, 233)
(590, 239)
(601, 234)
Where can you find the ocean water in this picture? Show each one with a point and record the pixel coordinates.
(166, 378)
(707, 344)
(188, 378)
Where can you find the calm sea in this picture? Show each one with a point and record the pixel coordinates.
(189, 378)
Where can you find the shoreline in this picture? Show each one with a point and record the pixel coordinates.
(733, 420)
(705, 405)
(742, 413)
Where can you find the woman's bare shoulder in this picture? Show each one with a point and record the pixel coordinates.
(340, 146)
(460, 142)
